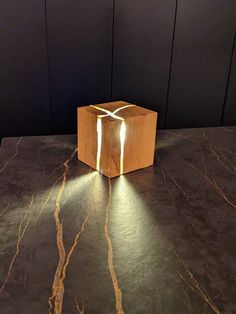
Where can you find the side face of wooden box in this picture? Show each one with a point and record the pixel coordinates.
(140, 142)
(87, 137)
(116, 144)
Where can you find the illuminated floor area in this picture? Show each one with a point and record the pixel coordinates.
(158, 240)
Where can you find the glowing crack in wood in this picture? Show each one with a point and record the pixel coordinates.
(122, 133)
(122, 145)
(99, 149)
(118, 293)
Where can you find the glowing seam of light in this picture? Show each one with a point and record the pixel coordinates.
(122, 134)
(99, 148)
(122, 145)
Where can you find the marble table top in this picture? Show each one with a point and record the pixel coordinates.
(158, 240)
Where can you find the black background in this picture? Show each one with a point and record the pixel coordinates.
(174, 56)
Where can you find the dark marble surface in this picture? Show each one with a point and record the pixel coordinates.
(158, 240)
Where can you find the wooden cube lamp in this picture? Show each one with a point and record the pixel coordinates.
(116, 138)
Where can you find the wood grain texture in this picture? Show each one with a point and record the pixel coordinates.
(87, 139)
(110, 155)
(139, 141)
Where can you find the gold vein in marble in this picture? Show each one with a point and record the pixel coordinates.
(4, 210)
(21, 231)
(197, 286)
(56, 169)
(58, 287)
(212, 182)
(79, 309)
(56, 299)
(172, 178)
(12, 157)
(76, 240)
(160, 305)
(24, 223)
(219, 155)
(58, 284)
(212, 251)
(45, 201)
(182, 136)
(117, 290)
(187, 302)
(28, 268)
(194, 227)
(163, 169)
(62, 165)
(227, 130)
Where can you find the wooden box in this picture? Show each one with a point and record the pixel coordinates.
(116, 138)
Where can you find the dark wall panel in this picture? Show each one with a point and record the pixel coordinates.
(201, 57)
(24, 107)
(80, 45)
(40, 89)
(142, 50)
(230, 106)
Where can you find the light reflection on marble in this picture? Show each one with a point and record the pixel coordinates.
(158, 240)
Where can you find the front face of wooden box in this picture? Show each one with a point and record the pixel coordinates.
(116, 138)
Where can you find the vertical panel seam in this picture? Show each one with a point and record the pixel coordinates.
(48, 66)
(171, 63)
(112, 49)
(228, 79)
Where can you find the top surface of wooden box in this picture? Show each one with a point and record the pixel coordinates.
(121, 109)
